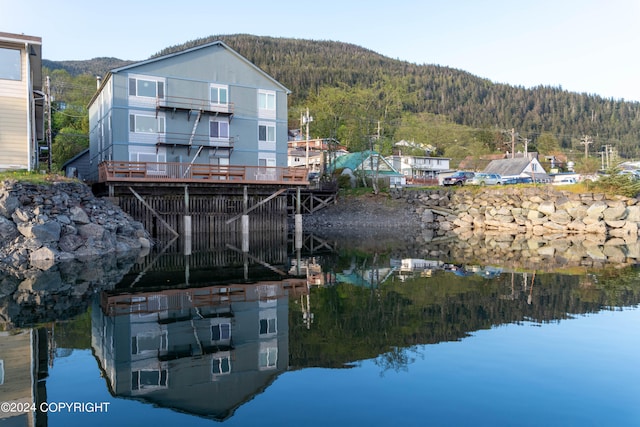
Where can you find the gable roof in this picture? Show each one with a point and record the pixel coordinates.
(354, 160)
(182, 52)
(508, 167)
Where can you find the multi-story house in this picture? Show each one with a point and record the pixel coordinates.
(21, 101)
(419, 168)
(207, 105)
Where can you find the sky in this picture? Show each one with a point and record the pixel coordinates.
(584, 46)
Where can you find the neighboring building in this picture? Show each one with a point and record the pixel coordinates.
(525, 167)
(367, 163)
(204, 105)
(420, 167)
(312, 160)
(21, 101)
(77, 166)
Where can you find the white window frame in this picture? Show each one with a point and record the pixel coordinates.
(218, 325)
(217, 361)
(161, 383)
(161, 335)
(10, 68)
(267, 104)
(218, 90)
(159, 124)
(266, 100)
(134, 91)
(221, 124)
(143, 154)
(268, 357)
(272, 326)
(269, 136)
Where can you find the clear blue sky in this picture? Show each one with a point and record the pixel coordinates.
(586, 46)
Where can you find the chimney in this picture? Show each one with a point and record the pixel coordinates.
(98, 81)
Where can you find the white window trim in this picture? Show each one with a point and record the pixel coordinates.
(218, 87)
(217, 359)
(218, 325)
(160, 82)
(146, 387)
(164, 341)
(268, 349)
(219, 138)
(161, 124)
(269, 110)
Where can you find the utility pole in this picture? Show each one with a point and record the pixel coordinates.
(48, 106)
(586, 141)
(513, 143)
(305, 119)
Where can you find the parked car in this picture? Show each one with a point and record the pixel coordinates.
(565, 181)
(485, 179)
(518, 180)
(458, 178)
(631, 173)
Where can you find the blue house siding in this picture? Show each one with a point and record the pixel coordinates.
(147, 111)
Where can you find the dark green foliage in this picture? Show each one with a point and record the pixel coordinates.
(615, 183)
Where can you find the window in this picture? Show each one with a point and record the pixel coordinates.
(221, 365)
(266, 133)
(220, 332)
(148, 342)
(141, 380)
(219, 129)
(266, 100)
(10, 64)
(219, 94)
(146, 88)
(268, 357)
(268, 326)
(1, 371)
(145, 124)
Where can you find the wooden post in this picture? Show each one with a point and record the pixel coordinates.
(187, 223)
(245, 233)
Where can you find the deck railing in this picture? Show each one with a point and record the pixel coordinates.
(116, 171)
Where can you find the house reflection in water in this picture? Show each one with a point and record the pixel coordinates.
(201, 350)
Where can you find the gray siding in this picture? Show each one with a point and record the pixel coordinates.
(188, 76)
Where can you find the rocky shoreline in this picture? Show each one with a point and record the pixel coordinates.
(537, 228)
(41, 224)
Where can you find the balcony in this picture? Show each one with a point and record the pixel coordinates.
(177, 103)
(150, 172)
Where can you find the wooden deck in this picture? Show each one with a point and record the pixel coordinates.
(150, 172)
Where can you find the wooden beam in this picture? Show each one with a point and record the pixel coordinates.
(139, 197)
(246, 211)
(259, 261)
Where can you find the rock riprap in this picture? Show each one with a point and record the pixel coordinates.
(41, 224)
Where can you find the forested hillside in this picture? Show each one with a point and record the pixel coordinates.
(355, 94)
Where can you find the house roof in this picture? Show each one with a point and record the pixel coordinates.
(84, 152)
(182, 52)
(508, 167)
(354, 160)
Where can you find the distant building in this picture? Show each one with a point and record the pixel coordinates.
(525, 167)
(21, 101)
(420, 167)
(367, 163)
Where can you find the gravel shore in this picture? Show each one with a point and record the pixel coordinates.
(362, 216)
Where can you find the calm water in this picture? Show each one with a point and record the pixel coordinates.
(339, 332)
